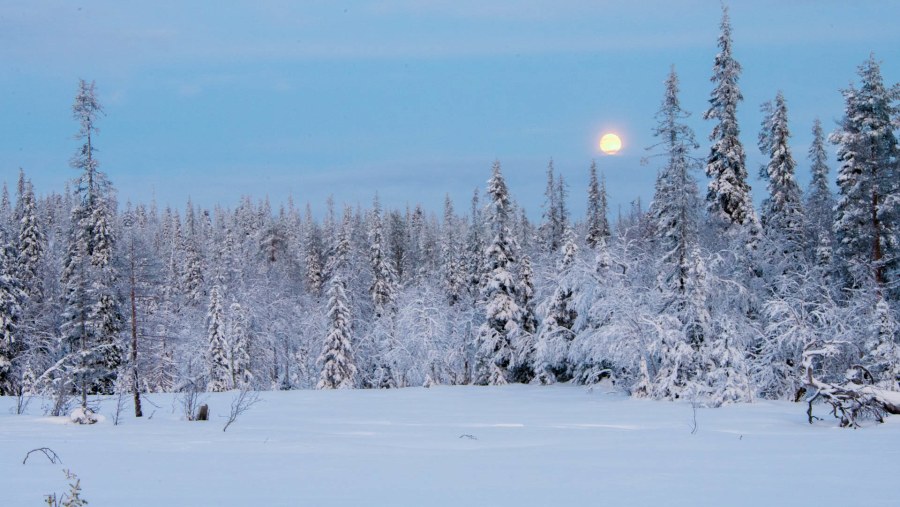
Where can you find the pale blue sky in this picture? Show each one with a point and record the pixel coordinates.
(412, 99)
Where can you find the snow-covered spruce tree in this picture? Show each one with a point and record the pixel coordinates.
(239, 332)
(675, 207)
(819, 205)
(383, 287)
(475, 247)
(867, 224)
(30, 245)
(453, 269)
(339, 252)
(497, 335)
(551, 228)
(91, 316)
(415, 254)
(882, 359)
(522, 366)
(273, 239)
(730, 204)
(313, 246)
(683, 326)
(782, 211)
(6, 214)
(217, 351)
(556, 332)
(562, 212)
(11, 343)
(597, 222)
(336, 360)
(193, 278)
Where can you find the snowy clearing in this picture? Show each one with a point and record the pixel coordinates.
(479, 446)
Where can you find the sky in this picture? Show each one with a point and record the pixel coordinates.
(213, 100)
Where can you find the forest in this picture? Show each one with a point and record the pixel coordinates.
(701, 296)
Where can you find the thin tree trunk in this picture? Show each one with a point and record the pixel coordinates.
(134, 368)
(876, 242)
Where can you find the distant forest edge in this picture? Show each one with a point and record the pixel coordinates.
(698, 297)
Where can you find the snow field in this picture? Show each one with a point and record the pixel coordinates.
(461, 446)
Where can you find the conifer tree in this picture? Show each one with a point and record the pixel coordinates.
(551, 224)
(92, 318)
(729, 201)
(675, 204)
(819, 199)
(556, 333)
(313, 245)
(503, 317)
(454, 277)
(336, 360)
(216, 354)
(382, 289)
(782, 212)
(526, 293)
(11, 343)
(522, 367)
(868, 208)
(239, 332)
(6, 213)
(475, 250)
(597, 222)
(30, 245)
(562, 213)
(193, 261)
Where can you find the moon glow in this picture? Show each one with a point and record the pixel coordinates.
(610, 144)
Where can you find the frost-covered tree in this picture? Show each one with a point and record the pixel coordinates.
(313, 246)
(91, 316)
(30, 244)
(11, 343)
(675, 206)
(475, 247)
(239, 332)
(729, 201)
(882, 358)
(217, 344)
(819, 205)
(453, 268)
(503, 315)
(6, 213)
(557, 329)
(868, 209)
(782, 211)
(193, 278)
(555, 215)
(336, 360)
(522, 365)
(383, 285)
(597, 221)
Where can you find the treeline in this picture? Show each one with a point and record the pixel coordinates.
(701, 298)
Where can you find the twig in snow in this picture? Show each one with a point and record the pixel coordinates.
(240, 404)
(50, 453)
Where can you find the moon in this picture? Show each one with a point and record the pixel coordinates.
(610, 144)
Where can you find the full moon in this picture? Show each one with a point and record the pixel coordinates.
(610, 144)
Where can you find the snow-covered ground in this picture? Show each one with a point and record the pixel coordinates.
(459, 446)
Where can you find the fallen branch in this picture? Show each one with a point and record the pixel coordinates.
(849, 402)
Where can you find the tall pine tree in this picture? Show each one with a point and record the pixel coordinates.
(782, 211)
(868, 209)
(503, 315)
(819, 199)
(92, 317)
(729, 201)
(336, 360)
